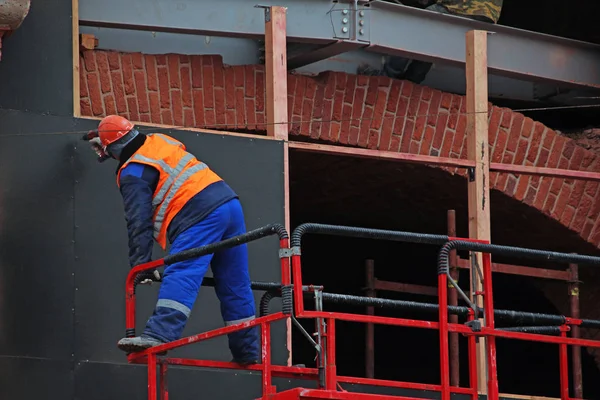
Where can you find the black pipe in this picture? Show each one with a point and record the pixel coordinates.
(544, 330)
(365, 233)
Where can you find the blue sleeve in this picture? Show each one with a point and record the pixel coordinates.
(138, 182)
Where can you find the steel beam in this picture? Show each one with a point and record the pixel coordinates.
(383, 27)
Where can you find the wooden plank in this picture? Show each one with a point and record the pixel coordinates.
(75, 34)
(442, 161)
(277, 107)
(478, 151)
(533, 272)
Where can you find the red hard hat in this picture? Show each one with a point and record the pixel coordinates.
(112, 128)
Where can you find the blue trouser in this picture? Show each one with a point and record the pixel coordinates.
(181, 282)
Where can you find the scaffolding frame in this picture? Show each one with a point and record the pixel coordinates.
(326, 373)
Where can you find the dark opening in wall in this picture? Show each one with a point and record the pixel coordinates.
(387, 195)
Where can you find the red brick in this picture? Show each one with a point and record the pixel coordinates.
(299, 98)
(542, 193)
(249, 84)
(151, 73)
(395, 143)
(494, 126)
(127, 74)
(186, 87)
(427, 141)
(329, 85)
(373, 142)
(447, 144)
(414, 101)
(363, 135)
(499, 146)
(507, 116)
(109, 105)
(394, 96)
(549, 205)
(534, 147)
(83, 90)
(251, 113)
(341, 78)
(177, 107)
(219, 74)
(220, 106)
(240, 108)
(581, 213)
(446, 100)
(440, 129)
(515, 133)
(344, 137)
(86, 107)
(335, 131)
(407, 136)
(173, 68)
(137, 60)
(260, 92)
(327, 112)
(511, 185)
(161, 59)
(198, 98)
(133, 109)
(142, 95)
(145, 118)
(114, 60)
(167, 117)
(527, 127)
(561, 202)
(386, 131)
(454, 111)
(434, 109)
(543, 158)
(95, 96)
(197, 72)
(555, 153)
(118, 91)
(548, 140)
(421, 121)
(210, 117)
(530, 196)
(154, 103)
(522, 187)
(89, 60)
(229, 89)
(163, 85)
(349, 89)
(371, 93)
(102, 63)
(587, 230)
(578, 189)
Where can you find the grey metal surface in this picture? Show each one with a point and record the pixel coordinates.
(63, 256)
(101, 274)
(387, 28)
(36, 72)
(35, 379)
(36, 253)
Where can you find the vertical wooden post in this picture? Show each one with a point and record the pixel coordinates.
(75, 33)
(277, 106)
(479, 177)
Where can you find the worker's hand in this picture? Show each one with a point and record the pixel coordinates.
(147, 277)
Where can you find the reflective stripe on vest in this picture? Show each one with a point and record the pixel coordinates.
(176, 166)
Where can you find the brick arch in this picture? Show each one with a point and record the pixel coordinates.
(368, 112)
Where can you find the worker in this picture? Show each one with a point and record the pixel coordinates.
(416, 70)
(169, 195)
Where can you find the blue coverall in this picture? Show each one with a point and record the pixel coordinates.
(214, 214)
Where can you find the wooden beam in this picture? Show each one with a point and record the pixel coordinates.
(277, 107)
(75, 34)
(442, 161)
(478, 151)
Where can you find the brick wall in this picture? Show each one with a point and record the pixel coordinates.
(369, 112)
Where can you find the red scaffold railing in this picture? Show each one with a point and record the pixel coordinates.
(325, 374)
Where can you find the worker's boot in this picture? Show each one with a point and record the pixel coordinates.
(139, 343)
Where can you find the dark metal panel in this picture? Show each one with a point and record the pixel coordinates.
(387, 28)
(36, 72)
(36, 250)
(252, 167)
(35, 379)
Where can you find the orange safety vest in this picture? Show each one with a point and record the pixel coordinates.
(182, 176)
